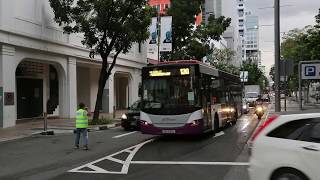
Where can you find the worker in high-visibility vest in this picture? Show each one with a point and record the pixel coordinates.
(82, 126)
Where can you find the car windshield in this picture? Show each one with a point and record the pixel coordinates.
(135, 106)
(168, 92)
(252, 95)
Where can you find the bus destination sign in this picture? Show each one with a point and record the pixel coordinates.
(169, 72)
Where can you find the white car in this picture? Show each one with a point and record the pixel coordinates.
(286, 147)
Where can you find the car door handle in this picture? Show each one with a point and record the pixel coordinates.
(311, 148)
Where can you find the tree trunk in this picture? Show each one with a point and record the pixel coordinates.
(104, 76)
(102, 81)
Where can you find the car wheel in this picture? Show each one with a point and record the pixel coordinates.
(288, 174)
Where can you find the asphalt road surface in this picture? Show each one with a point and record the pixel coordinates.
(116, 154)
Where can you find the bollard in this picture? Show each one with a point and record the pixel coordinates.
(45, 125)
(114, 112)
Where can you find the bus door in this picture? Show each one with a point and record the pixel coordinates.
(206, 103)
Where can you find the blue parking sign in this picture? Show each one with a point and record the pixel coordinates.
(310, 71)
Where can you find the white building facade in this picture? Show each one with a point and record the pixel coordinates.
(44, 70)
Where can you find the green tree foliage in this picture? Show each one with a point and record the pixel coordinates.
(255, 76)
(108, 26)
(188, 42)
(300, 45)
(183, 18)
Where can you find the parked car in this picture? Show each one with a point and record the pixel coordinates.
(245, 107)
(266, 98)
(131, 119)
(286, 147)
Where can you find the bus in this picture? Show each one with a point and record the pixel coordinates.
(188, 97)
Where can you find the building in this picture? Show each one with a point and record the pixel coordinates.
(241, 27)
(227, 8)
(160, 4)
(44, 70)
(251, 43)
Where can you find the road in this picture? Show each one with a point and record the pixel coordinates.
(116, 154)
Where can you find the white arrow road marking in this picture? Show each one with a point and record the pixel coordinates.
(219, 134)
(126, 134)
(191, 163)
(125, 164)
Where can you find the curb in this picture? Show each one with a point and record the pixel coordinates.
(51, 132)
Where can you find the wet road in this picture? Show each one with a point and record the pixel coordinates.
(223, 156)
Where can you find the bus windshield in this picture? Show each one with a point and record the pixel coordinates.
(169, 92)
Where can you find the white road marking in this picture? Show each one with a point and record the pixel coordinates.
(219, 134)
(125, 164)
(191, 163)
(126, 134)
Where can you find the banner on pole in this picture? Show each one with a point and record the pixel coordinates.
(166, 34)
(244, 76)
(153, 37)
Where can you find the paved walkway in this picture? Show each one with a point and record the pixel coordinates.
(28, 128)
(293, 106)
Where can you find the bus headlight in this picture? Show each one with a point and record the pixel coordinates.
(124, 116)
(195, 123)
(145, 123)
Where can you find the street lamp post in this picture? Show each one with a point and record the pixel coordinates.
(277, 54)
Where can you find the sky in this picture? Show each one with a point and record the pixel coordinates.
(293, 14)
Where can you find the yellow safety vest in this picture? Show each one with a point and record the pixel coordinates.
(81, 119)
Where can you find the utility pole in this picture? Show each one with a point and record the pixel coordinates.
(159, 30)
(277, 54)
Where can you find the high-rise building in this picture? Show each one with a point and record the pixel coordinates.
(161, 5)
(251, 43)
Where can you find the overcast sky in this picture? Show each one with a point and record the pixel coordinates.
(294, 14)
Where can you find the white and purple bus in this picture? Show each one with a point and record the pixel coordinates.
(188, 97)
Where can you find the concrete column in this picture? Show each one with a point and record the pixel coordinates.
(46, 86)
(93, 86)
(111, 93)
(7, 82)
(72, 86)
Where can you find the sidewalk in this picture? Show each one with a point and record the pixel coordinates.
(28, 128)
(293, 106)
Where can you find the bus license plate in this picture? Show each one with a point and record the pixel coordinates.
(168, 131)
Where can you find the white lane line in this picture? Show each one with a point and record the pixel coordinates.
(126, 134)
(125, 164)
(219, 134)
(191, 163)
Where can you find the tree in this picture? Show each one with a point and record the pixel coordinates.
(221, 55)
(183, 18)
(190, 42)
(108, 26)
(256, 76)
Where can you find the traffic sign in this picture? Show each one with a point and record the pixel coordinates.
(310, 71)
(244, 76)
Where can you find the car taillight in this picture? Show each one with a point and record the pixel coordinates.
(263, 126)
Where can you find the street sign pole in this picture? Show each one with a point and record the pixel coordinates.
(300, 92)
(308, 70)
(277, 54)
